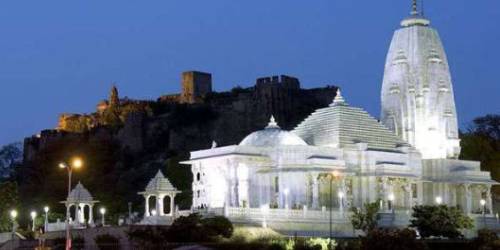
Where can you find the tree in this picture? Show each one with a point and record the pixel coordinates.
(440, 221)
(365, 219)
(481, 142)
(8, 200)
(384, 239)
(10, 156)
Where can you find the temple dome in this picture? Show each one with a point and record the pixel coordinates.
(80, 194)
(272, 136)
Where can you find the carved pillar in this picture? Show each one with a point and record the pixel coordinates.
(146, 206)
(447, 199)
(160, 211)
(315, 191)
(489, 203)
(468, 198)
(453, 195)
(343, 189)
(408, 194)
(91, 213)
(172, 204)
(383, 192)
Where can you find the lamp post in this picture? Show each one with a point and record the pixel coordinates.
(483, 206)
(76, 163)
(13, 216)
(46, 223)
(391, 197)
(439, 200)
(341, 201)
(331, 176)
(33, 218)
(285, 192)
(103, 212)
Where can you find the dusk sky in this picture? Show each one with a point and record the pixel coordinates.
(63, 56)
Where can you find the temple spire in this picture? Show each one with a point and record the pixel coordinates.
(272, 123)
(414, 8)
(338, 100)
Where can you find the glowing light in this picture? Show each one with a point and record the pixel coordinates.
(102, 210)
(46, 209)
(264, 208)
(482, 202)
(391, 197)
(439, 200)
(13, 214)
(286, 191)
(62, 165)
(153, 212)
(335, 173)
(77, 163)
(33, 214)
(340, 194)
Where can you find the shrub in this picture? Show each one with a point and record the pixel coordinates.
(367, 218)
(486, 240)
(218, 225)
(107, 242)
(193, 228)
(148, 237)
(187, 229)
(384, 239)
(440, 221)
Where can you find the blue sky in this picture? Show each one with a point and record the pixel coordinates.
(62, 56)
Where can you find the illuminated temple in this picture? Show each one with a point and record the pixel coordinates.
(341, 157)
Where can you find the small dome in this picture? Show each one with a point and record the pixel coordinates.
(272, 136)
(80, 194)
(160, 183)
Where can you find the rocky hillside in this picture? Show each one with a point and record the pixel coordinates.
(126, 143)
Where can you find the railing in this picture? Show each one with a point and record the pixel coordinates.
(277, 214)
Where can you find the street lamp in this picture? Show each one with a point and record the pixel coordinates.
(483, 205)
(341, 201)
(439, 200)
(285, 192)
(391, 199)
(331, 176)
(13, 216)
(103, 212)
(264, 209)
(33, 217)
(76, 163)
(46, 223)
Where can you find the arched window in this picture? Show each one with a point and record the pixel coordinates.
(198, 176)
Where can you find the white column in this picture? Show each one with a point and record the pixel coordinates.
(409, 194)
(468, 198)
(489, 202)
(159, 204)
(172, 206)
(91, 213)
(81, 213)
(315, 191)
(146, 206)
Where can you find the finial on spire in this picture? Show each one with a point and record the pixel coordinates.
(414, 9)
(272, 123)
(338, 100)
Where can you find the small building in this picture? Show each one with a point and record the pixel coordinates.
(81, 206)
(158, 189)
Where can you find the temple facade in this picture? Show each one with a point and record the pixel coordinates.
(341, 157)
